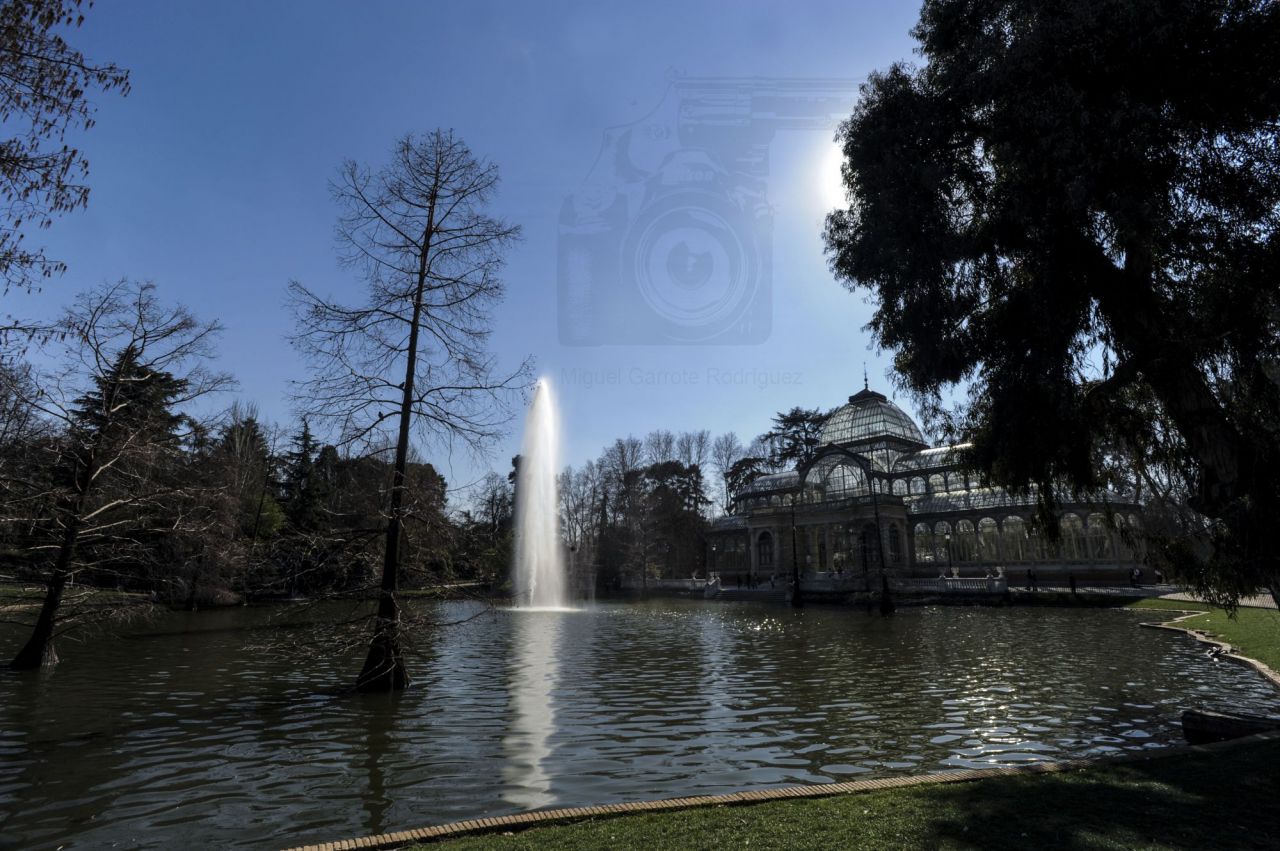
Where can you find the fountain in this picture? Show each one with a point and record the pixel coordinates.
(539, 575)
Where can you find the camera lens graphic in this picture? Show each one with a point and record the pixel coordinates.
(691, 265)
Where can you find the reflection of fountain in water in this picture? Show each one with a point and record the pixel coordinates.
(539, 575)
(534, 675)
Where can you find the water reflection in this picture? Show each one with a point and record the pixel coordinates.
(185, 738)
(533, 674)
(380, 721)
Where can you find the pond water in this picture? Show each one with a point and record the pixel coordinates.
(175, 733)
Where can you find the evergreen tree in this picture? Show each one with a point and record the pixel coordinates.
(303, 488)
(794, 437)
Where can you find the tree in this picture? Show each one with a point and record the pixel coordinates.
(1072, 208)
(793, 440)
(580, 492)
(44, 92)
(236, 477)
(726, 450)
(743, 472)
(693, 448)
(133, 364)
(414, 352)
(659, 446)
(671, 524)
(303, 488)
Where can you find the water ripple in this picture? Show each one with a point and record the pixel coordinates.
(182, 736)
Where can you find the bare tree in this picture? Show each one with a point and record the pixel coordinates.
(726, 451)
(579, 504)
(413, 353)
(693, 448)
(44, 92)
(131, 366)
(659, 446)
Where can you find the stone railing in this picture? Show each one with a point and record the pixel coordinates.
(952, 585)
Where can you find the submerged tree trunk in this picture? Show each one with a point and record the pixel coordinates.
(39, 651)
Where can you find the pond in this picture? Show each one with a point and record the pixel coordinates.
(176, 732)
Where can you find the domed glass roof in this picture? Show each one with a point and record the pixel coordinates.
(869, 416)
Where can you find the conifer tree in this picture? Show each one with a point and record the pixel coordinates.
(137, 363)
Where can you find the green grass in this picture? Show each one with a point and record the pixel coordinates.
(1224, 799)
(1169, 605)
(1251, 632)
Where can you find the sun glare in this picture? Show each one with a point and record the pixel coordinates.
(831, 189)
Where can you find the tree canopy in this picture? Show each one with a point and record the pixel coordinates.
(44, 92)
(1072, 210)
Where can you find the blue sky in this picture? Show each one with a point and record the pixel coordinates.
(210, 178)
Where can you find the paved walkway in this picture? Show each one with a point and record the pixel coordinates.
(1262, 601)
(1164, 592)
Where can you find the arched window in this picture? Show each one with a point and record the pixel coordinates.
(966, 543)
(834, 478)
(764, 551)
(937, 484)
(1016, 545)
(899, 487)
(845, 480)
(1124, 539)
(1037, 548)
(1071, 537)
(1099, 537)
(917, 486)
(941, 541)
(988, 540)
(922, 539)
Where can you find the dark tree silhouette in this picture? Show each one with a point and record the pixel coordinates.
(793, 440)
(413, 354)
(1072, 209)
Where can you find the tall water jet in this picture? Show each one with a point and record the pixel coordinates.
(539, 575)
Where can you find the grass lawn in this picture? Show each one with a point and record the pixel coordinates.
(1224, 799)
(1252, 632)
(1169, 605)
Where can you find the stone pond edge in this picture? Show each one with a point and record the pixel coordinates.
(1228, 651)
(521, 821)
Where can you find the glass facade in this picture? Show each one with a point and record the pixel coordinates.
(869, 416)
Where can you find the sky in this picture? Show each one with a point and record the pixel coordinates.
(211, 179)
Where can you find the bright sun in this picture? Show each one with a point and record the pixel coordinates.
(831, 191)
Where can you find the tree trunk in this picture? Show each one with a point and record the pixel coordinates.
(191, 592)
(384, 668)
(39, 651)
